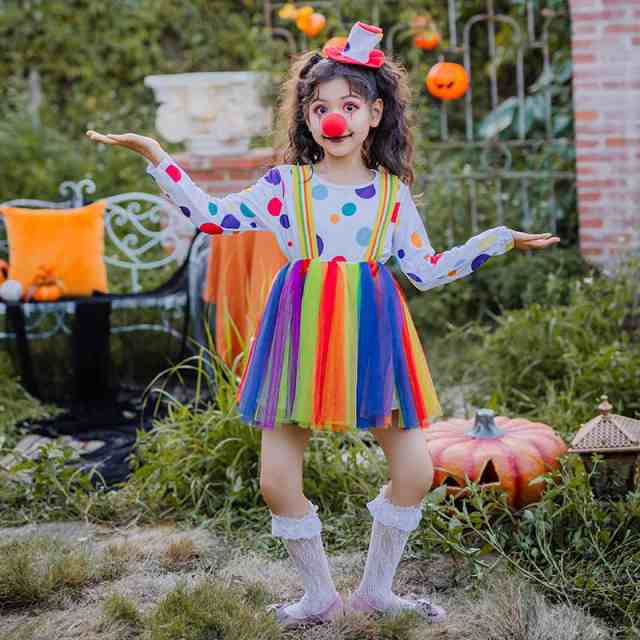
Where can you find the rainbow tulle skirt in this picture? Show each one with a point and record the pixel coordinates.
(336, 349)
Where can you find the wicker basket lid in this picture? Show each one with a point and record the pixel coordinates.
(607, 432)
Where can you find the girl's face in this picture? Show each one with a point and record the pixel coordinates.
(335, 96)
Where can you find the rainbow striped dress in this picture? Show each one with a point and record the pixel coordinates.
(336, 348)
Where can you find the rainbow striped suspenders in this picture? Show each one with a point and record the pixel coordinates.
(388, 186)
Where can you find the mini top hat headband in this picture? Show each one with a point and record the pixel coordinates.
(360, 47)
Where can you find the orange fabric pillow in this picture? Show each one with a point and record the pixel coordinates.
(70, 242)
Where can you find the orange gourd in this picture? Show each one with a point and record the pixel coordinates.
(302, 17)
(447, 81)
(313, 25)
(427, 40)
(47, 293)
(4, 271)
(45, 286)
(494, 452)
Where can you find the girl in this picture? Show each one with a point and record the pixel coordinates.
(336, 348)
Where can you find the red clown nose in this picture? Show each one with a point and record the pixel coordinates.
(334, 125)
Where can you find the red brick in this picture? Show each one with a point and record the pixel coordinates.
(583, 58)
(587, 144)
(584, 171)
(603, 157)
(590, 196)
(622, 28)
(591, 222)
(622, 142)
(603, 184)
(598, 16)
(586, 116)
(591, 251)
(583, 44)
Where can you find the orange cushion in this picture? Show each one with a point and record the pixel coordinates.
(69, 242)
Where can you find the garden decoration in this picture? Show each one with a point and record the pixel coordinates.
(46, 287)
(494, 452)
(425, 33)
(309, 21)
(447, 81)
(617, 439)
(10, 291)
(4, 270)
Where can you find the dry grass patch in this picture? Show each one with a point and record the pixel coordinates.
(179, 555)
(509, 608)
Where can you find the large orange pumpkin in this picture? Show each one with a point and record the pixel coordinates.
(447, 80)
(494, 452)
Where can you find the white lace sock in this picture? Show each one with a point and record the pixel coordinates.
(392, 525)
(303, 539)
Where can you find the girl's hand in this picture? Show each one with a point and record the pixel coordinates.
(145, 146)
(526, 241)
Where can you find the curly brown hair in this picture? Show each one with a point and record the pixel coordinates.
(389, 145)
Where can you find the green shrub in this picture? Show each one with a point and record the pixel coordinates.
(573, 547)
(554, 362)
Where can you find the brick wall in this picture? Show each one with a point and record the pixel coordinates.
(606, 85)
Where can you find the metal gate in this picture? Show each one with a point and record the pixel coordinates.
(504, 153)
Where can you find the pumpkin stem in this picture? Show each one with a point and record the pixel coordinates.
(485, 425)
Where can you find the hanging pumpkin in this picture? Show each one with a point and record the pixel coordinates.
(302, 17)
(447, 80)
(314, 25)
(337, 41)
(494, 452)
(288, 11)
(427, 40)
(4, 271)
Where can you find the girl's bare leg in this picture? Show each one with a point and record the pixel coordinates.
(410, 465)
(281, 462)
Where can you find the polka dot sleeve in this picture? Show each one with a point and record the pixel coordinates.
(258, 208)
(427, 269)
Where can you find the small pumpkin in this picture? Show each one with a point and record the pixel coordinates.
(288, 11)
(302, 17)
(314, 25)
(45, 286)
(427, 40)
(447, 80)
(47, 293)
(4, 271)
(494, 452)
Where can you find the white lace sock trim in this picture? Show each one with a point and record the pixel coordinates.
(393, 515)
(303, 540)
(392, 525)
(294, 528)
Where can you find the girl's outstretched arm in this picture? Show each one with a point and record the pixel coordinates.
(428, 269)
(260, 207)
